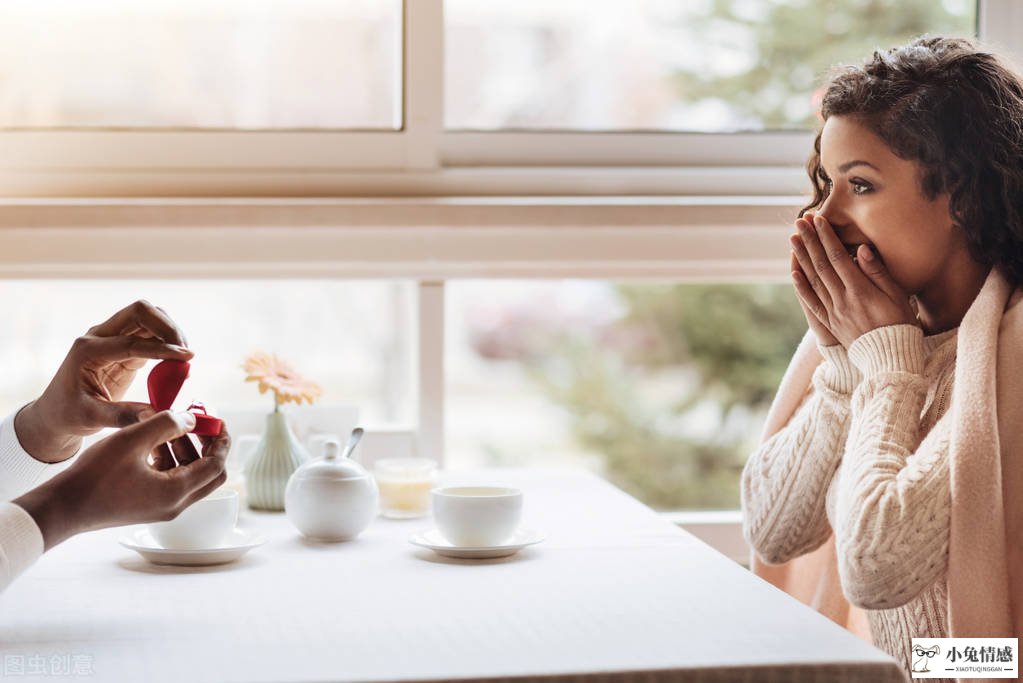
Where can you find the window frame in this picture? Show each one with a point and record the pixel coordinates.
(113, 162)
(419, 203)
(421, 158)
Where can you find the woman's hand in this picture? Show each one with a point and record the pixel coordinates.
(85, 394)
(112, 482)
(848, 298)
(820, 330)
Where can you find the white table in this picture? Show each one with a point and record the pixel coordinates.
(615, 593)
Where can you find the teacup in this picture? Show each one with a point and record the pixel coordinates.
(477, 516)
(203, 524)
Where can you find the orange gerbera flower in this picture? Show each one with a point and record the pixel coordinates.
(273, 374)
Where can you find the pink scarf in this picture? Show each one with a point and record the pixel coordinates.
(985, 558)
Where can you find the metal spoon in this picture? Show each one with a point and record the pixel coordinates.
(353, 441)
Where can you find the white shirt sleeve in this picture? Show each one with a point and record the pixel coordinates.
(21, 542)
(19, 471)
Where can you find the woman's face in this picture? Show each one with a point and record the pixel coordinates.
(875, 198)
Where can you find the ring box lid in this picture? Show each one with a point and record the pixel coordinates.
(165, 382)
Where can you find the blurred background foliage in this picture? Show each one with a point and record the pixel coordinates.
(710, 354)
(672, 394)
(796, 42)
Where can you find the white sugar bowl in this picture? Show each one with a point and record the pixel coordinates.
(331, 498)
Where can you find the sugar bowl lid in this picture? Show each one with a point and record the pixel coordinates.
(332, 466)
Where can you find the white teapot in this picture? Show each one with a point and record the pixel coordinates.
(332, 498)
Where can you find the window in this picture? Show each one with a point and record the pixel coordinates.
(350, 336)
(669, 66)
(662, 388)
(308, 96)
(493, 153)
(191, 64)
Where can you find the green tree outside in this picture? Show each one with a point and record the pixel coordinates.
(795, 43)
(733, 342)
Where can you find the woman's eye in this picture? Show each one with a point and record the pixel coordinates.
(860, 187)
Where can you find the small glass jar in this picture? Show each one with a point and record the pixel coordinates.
(405, 485)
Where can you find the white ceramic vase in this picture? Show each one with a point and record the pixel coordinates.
(268, 468)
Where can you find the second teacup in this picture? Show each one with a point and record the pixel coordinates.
(477, 516)
(203, 524)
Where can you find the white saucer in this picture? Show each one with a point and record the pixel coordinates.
(234, 546)
(434, 541)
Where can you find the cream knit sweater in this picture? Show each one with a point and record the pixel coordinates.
(866, 455)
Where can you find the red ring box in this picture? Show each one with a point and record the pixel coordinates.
(165, 380)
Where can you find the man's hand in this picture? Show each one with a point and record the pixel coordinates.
(85, 394)
(112, 482)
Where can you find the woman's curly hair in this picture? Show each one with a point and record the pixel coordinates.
(958, 112)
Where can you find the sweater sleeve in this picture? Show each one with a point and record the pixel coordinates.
(785, 482)
(21, 542)
(893, 495)
(19, 471)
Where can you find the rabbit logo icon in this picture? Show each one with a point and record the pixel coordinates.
(922, 656)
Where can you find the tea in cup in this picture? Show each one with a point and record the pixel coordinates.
(477, 516)
(203, 524)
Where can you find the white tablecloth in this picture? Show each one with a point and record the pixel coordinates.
(615, 593)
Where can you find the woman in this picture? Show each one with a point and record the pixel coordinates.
(147, 471)
(914, 234)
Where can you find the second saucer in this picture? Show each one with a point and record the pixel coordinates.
(437, 543)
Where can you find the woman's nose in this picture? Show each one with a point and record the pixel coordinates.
(831, 210)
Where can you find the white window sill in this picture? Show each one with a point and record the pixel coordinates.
(720, 529)
(681, 238)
